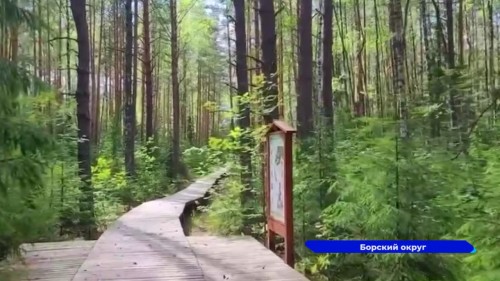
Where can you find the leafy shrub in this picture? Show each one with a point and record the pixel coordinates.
(196, 159)
(224, 215)
(24, 142)
(381, 196)
(115, 193)
(481, 210)
(24, 219)
(201, 160)
(151, 181)
(111, 193)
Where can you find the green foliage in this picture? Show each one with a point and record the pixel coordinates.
(23, 144)
(115, 193)
(408, 209)
(201, 160)
(38, 168)
(151, 181)
(24, 219)
(111, 192)
(194, 158)
(417, 193)
(224, 215)
(481, 211)
(13, 15)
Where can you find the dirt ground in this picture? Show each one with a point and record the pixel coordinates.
(12, 270)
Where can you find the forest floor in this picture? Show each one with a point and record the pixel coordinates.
(198, 225)
(12, 270)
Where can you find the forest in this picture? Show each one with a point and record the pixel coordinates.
(105, 104)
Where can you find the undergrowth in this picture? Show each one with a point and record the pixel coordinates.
(224, 215)
(350, 185)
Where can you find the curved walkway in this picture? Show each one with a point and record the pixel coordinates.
(148, 243)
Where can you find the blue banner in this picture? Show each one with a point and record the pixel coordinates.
(390, 246)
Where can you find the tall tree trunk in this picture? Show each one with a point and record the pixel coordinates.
(199, 89)
(491, 37)
(398, 46)
(244, 109)
(430, 61)
(148, 72)
(461, 32)
(293, 57)
(116, 110)
(93, 97)
(450, 58)
(360, 81)
(136, 53)
(68, 49)
(184, 97)
(378, 78)
(174, 55)
(35, 59)
(230, 71)
(281, 67)
(97, 114)
(39, 42)
(83, 118)
(317, 59)
(14, 39)
(327, 91)
(129, 116)
(59, 51)
(305, 120)
(269, 60)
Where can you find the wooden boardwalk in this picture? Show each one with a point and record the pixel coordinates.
(148, 243)
(57, 261)
(240, 258)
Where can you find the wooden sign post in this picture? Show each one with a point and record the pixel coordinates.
(279, 187)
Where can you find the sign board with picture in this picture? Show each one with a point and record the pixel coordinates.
(279, 187)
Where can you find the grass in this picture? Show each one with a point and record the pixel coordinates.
(12, 270)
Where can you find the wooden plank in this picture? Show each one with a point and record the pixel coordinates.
(239, 258)
(148, 243)
(57, 245)
(55, 261)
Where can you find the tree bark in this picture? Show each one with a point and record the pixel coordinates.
(83, 118)
(398, 46)
(244, 109)
(136, 57)
(230, 71)
(269, 60)
(174, 53)
(327, 91)
(97, 113)
(450, 57)
(360, 103)
(148, 73)
(305, 125)
(129, 116)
